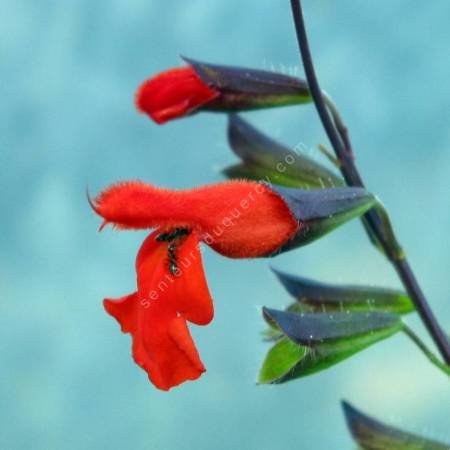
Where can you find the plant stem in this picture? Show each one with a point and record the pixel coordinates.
(426, 351)
(353, 178)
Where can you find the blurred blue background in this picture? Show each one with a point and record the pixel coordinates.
(69, 70)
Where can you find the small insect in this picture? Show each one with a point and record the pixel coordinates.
(171, 251)
(173, 238)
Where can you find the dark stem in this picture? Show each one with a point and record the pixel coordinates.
(353, 178)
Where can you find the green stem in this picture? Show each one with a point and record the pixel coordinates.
(426, 351)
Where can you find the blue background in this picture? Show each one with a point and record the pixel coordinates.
(69, 70)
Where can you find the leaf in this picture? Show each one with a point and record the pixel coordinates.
(371, 434)
(281, 360)
(320, 211)
(265, 159)
(318, 296)
(316, 341)
(244, 88)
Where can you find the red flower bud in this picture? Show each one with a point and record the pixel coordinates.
(178, 92)
(173, 93)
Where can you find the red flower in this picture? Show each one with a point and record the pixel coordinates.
(173, 93)
(238, 219)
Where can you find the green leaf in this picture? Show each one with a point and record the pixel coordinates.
(312, 342)
(267, 160)
(324, 297)
(281, 360)
(371, 434)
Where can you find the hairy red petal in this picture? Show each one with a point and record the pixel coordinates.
(240, 219)
(156, 314)
(124, 311)
(164, 348)
(162, 344)
(189, 293)
(172, 94)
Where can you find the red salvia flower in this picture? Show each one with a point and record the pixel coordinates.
(173, 93)
(238, 219)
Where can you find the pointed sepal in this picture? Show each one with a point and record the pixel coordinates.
(319, 211)
(317, 328)
(266, 159)
(326, 297)
(370, 433)
(243, 88)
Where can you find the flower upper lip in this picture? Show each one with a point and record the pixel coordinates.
(240, 219)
